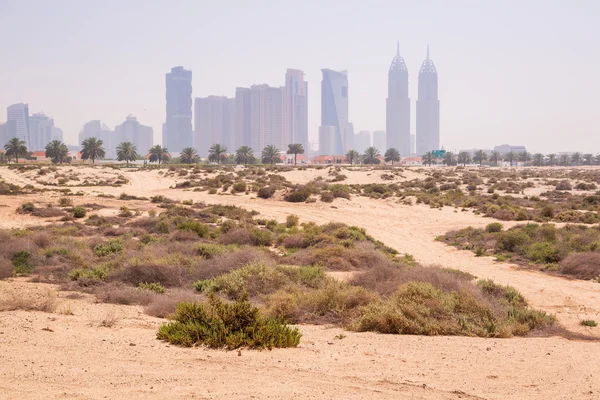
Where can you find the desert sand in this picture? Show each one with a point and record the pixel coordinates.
(80, 359)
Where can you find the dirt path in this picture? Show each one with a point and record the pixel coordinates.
(69, 355)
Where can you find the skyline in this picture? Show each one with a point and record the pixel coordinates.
(518, 73)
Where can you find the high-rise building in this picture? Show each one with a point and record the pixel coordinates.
(334, 108)
(379, 141)
(327, 140)
(178, 130)
(296, 112)
(19, 113)
(40, 131)
(8, 131)
(100, 131)
(266, 117)
(57, 134)
(362, 140)
(131, 131)
(214, 123)
(398, 106)
(428, 108)
(242, 131)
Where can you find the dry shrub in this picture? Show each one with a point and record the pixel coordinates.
(6, 268)
(166, 275)
(581, 265)
(296, 241)
(183, 236)
(362, 255)
(227, 262)
(238, 236)
(164, 305)
(109, 320)
(48, 212)
(38, 301)
(122, 294)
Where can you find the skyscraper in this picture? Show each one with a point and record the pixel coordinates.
(8, 131)
(398, 106)
(100, 131)
(428, 108)
(214, 123)
(178, 130)
(362, 140)
(379, 141)
(296, 113)
(266, 117)
(242, 117)
(19, 113)
(40, 131)
(334, 109)
(132, 131)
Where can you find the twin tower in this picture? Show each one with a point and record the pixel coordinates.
(398, 108)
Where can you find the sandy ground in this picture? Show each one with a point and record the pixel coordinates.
(359, 366)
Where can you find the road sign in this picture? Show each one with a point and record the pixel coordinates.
(438, 153)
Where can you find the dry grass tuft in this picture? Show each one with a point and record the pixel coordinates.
(40, 301)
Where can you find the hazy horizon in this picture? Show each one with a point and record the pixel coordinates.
(523, 73)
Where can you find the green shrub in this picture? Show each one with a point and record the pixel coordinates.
(239, 187)
(153, 287)
(99, 273)
(291, 220)
(327, 196)
(547, 212)
(110, 247)
(211, 250)
(21, 261)
(266, 192)
(494, 227)
(125, 212)
(261, 237)
(511, 240)
(298, 196)
(79, 212)
(543, 252)
(219, 324)
(26, 208)
(65, 202)
(589, 322)
(212, 191)
(191, 225)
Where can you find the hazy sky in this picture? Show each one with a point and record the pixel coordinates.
(519, 71)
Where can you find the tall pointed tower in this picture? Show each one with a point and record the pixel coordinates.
(428, 108)
(398, 107)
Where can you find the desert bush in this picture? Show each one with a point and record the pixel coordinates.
(239, 236)
(589, 323)
(112, 246)
(212, 250)
(564, 185)
(26, 208)
(327, 197)
(261, 237)
(494, 227)
(266, 192)
(191, 225)
(239, 187)
(65, 202)
(6, 269)
(152, 286)
(581, 265)
(511, 240)
(291, 220)
(79, 212)
(298, 196)
(98, 273)
(219, 324)
(165, 305)
(41, 301)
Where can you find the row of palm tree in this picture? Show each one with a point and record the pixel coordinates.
(494, 157)
(245, 155)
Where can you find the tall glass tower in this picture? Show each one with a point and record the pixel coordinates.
(398, 107)
(428, 109)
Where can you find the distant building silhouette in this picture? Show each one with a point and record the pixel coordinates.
(132, 131)
(242, 132)
(506, 148)
(19, 113)
(362, 140)
(398, 107)
(428, 108)
(379, 141)
(266, 117)
(214, 123)
(296, 109)
(8, 131)
(40, 131)
(334, 113)
(177, 133)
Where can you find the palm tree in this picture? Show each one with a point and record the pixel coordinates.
(91, 149)
(427, 158)
(216, 153)
(464, 157)
(159, 153)
(352, 156)
(370, 156)
(392, 155)
(270, 155)
(588, 159)
(449, 158)
(189, 155)
(57, 151)
(126, 151)
(495, 157)
(244, 155)
(524, 157)
(510, 157)
(598, 159)
(538, 159)
(15, 148)
(564, 159)
(551, 159)
(576, 158)
(480, 156)
(295, 149)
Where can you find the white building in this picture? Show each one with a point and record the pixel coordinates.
(266, 117)
(296, 109)
(214, 123)
(131, 131)
(40, 131)
(19, 113)
(362, 140)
